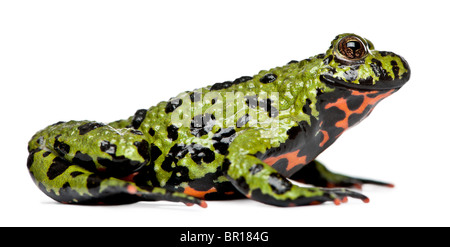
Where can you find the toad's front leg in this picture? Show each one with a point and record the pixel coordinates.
(261, 182)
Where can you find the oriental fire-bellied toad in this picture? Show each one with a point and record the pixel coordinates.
(240, 138)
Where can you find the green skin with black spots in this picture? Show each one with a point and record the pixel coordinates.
(239, 138)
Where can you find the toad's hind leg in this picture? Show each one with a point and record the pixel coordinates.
(83, 163)
(69, 183)
(261, 182)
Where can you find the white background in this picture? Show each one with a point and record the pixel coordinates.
(103, 60)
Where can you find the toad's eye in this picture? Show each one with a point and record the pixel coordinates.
(352, 48)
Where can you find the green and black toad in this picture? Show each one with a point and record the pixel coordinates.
(240, 138)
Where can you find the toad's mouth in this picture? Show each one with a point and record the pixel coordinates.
(380, 85)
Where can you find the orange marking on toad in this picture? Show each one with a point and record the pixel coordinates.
(341, 104)
(197, 193)
(292, 158)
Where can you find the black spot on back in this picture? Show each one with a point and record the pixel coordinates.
(227, 84)
(242, 79)
(221, 85)
(292, 61)
(85, 128)
(151, 132)
(268, 78)
(173, 104)
(138, 118)
(172, 132)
